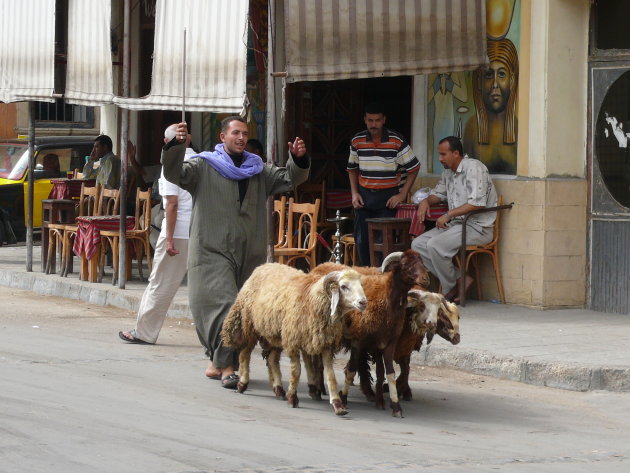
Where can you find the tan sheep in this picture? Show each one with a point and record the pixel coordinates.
(289, 310)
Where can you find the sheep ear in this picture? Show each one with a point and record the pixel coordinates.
(334, 300)
(444, 309)
(413, 298)
(331, 286)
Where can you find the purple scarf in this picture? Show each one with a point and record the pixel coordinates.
(221, 161)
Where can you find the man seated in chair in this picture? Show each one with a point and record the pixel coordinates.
(465, 185)
(51, 165)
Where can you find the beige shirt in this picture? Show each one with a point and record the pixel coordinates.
(470, 184)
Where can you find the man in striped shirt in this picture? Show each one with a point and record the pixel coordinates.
(382, 169)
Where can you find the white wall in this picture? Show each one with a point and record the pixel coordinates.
(557, 95)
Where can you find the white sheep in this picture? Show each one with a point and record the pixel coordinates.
(286, 309)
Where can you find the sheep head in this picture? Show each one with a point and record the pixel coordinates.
(345, 291)
(423, 307)
(448, 322)
(410, 265)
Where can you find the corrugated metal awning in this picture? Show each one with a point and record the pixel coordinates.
(27, 50)
(89, 78)
(348, 39)
(216, 57)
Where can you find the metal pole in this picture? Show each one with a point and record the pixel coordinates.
(122, 249)
(184, 80)
(271, 120)
(31, 182)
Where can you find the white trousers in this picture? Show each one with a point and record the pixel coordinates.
(438, 246)
(166, 278)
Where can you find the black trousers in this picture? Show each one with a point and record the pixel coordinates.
(373, 207)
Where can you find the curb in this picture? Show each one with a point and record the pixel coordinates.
(559, 375)
(101, 294)
(572, 377)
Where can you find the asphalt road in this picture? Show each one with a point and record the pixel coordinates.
(74, 398)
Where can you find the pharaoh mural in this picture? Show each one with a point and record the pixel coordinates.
(491, 134)
(481, 106)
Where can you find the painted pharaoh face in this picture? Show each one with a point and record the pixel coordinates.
(496, 86)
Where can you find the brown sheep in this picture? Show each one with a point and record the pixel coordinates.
(420, 307)
(379, 326)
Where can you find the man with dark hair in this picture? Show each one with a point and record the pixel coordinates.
(255, 146)
(382, 168)
(229, 187)
(103, 165)
(466, 185)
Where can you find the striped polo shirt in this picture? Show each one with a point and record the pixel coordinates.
(383, 165)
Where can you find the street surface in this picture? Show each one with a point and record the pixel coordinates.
(74, 398)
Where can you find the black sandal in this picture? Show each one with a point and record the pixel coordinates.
(132, 339)
(230, 381)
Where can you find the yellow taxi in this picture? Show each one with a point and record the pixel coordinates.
(55, 156)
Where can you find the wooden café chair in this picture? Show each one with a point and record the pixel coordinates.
(64, 233)
(470, 253)
(280, 221)
(138, 236)
(301, 234)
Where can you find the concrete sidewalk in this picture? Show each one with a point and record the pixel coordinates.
(574, 349)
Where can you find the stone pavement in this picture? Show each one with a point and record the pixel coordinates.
(575, 349)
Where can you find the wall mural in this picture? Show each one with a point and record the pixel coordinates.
(480, 106)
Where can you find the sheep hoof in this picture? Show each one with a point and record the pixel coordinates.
(344, 398)
(406, 394)
(293, 400)
(339, 409)
(241, 387)
(380, 403)
(279, 392)
(396, 410)
(370, 397)
(316, 394)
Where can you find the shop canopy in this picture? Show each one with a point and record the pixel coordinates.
(27, 50)
(348, 39)
(216, 54)
(89, 59)
(216, 57)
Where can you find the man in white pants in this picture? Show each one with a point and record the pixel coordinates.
(170, 259)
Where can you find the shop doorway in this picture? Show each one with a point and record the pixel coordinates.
(609, 275)
(609, 159)
(327, 115)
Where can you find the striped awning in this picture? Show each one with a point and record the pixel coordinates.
(350, 39)
(89, 78)
(27, 50)
(216, 57)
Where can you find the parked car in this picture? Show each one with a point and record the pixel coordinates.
(55, 156)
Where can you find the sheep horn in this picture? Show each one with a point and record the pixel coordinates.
(331, 278)
(390, 258)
